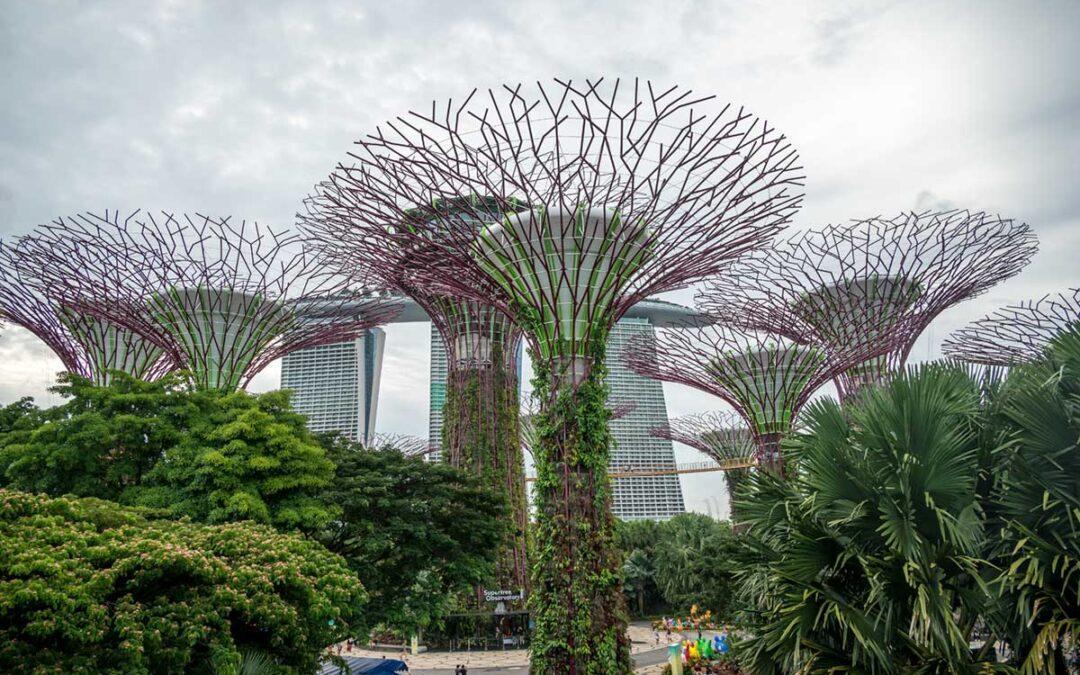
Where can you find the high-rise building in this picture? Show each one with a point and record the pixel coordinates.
(644, 497)
(337, 385)
(336, 393)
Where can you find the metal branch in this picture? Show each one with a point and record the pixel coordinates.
(222, 298)
(1017, 333)
(875, 284)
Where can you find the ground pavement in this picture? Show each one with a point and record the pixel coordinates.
(648, 657)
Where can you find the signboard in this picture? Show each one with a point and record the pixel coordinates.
(503, 595)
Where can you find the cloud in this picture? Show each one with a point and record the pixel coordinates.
(239, 109)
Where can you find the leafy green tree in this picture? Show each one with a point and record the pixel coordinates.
(416, 533)
(100, 443)
(244, 457)
(88, 586)
(868, 560)
(694, 563)
(1040, 506)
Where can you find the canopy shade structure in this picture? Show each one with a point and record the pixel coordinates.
(562, 205)
(765, 378)
(876, 281)
(88, 346)
(1017, 333)
(406, 444)
(220, 298)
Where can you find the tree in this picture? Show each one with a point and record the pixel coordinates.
(416, 533)
(89, 586)
(694, 563)
(212, 455)
(100, 443)
(637, 577)
(869, 560)
(1039, 500)
(243, 457)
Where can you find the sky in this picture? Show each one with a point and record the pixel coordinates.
(240, 108)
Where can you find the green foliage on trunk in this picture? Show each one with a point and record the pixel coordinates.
(577, 601)
(481, 435)
(89, 586)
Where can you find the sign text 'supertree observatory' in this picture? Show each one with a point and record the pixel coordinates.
(1017, 333)
(873, 285)
(222, 299)
(86, 345)
(607, 193)
(481, 429)
(766, 378)
(723, 436)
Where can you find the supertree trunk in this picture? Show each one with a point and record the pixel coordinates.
(481, 434)
(577, 598)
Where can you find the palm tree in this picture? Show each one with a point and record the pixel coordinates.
(1040, 505)
(867, 560)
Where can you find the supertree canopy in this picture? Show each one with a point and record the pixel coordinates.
(766, 378)
(1017, 333)
(86, 345)
(720, 434)
(222, 299)
(876, 283)
(606, 193)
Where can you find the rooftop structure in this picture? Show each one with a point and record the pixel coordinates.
(221, 298)
(875, 284)
(1017, 333)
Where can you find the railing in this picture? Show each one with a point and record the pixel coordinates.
(695, 467)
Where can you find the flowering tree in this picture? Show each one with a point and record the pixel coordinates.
(571, 202)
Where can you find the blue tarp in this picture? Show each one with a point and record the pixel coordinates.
(365, 666)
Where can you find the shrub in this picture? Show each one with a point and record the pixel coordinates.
(87, 586)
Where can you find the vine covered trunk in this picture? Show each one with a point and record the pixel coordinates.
(481, 434)
(577, 601)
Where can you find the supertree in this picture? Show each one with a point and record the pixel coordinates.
(606, 194)
(1017, 333)
(721, 435)
(766, 378)
(481, 431)
(86, 345)
(876, 282)
(222, 299)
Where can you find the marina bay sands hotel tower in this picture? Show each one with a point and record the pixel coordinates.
(337, 387)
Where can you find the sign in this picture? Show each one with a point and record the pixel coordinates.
(503, 595)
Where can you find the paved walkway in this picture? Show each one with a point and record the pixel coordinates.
(642, 646)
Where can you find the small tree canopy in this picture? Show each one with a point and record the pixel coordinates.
(89, 586)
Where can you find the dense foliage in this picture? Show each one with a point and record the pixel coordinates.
(211, 455)
(577, 601)
(87, 586)
(673, 565)
(481, 435)
(931, 512)
(417, 533)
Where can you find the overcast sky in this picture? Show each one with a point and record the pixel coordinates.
(238, 109)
